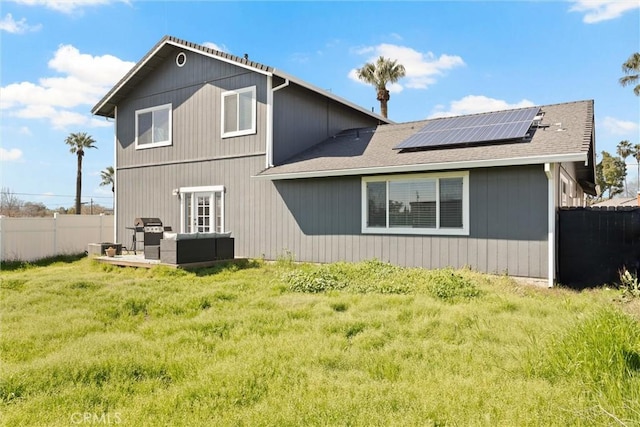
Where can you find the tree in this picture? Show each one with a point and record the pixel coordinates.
(79, 142)
(610, 173)
(636, 155)
(632, 70)
(379, 74)
(624, 150)
(107, 176)
(10, 204)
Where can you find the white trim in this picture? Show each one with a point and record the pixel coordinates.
(549, 170)
(238, 92)
(151, 110)
(183, 55)
(464, 231)
(431, 167)
(208, 190)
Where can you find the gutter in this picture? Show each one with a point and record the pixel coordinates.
(517, 161)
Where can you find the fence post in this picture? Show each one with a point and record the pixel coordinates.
(55, 233)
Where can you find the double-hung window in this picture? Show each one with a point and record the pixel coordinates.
(239, 112)
(202, 209)
(153, 127)
(416, 204)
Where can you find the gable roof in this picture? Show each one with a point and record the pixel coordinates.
(568, 138)
(167, 46)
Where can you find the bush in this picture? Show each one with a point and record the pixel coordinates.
(312, 281)
(450, 286)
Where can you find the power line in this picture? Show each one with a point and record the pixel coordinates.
(59, 195)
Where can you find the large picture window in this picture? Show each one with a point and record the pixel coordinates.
(239, 112)
(153, 127)
(202, 209)
(416, 204)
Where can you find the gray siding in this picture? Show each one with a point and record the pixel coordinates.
(318, 220)
(315, 219)
(508, 229)
(195, 94)
(302, 119)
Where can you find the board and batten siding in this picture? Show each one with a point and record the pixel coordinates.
(194, 91)
(303, 119)
(318, 220)
(508, 225)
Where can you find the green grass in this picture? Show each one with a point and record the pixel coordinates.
(287, 345)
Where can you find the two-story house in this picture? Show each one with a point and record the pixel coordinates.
(210, 142)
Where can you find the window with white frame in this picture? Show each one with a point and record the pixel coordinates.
(202, 209)
(416, 204)
(153, 127)
(239, 112)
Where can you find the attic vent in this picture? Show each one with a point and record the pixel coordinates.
(181, 59)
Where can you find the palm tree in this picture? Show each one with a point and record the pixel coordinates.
(379, 74)
(636, 155)
(79, 142)
(107, 178)
(632, 70)
(624, 150)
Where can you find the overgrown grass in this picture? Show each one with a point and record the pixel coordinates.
(286, 344)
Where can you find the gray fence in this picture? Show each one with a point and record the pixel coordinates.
(28, 239)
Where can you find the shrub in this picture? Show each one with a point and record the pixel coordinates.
(629, 284)
(313, 280)
(448, 285)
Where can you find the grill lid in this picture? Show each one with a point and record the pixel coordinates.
(147, 222)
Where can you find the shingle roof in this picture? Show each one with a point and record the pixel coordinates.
(568, 137)
(169, 45)
(618, 201)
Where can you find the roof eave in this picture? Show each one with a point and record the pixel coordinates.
(428, 167)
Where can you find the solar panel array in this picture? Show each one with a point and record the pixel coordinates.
(496, 126)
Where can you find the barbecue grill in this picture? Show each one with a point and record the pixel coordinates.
(152, 231)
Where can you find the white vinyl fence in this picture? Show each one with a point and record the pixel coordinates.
(29, 239)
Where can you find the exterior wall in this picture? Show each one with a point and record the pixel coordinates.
(194, 91)
(301, 121)
(320, 222)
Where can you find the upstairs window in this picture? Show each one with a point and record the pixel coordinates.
(416, 204)
(153, 127)
(239, 112)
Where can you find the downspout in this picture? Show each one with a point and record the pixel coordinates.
(549, 169)
(115, 174)
(270, 91)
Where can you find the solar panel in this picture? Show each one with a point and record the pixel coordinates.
(496, 126)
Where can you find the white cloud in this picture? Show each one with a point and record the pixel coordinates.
(84, 80)
(12, 155)
(422, 69)
(25, 131)
(214, 46)
(473, 104)
(12, 26)
(67, 6)
(619, 127)
(602, 10)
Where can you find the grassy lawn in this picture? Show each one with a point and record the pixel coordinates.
(289, 345)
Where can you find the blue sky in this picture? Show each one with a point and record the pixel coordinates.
(58, 58)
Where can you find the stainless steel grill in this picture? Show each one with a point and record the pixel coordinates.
(152, 230)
